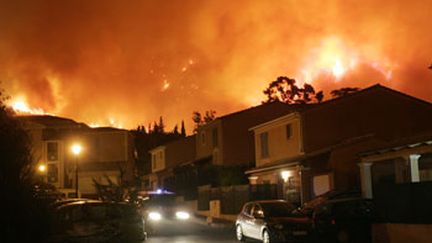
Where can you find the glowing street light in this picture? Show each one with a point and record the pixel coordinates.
(42, 168)
(41, 171)
(76, 150)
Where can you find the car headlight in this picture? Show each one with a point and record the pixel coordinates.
(182, 215)
(155, 216)
(278, 226)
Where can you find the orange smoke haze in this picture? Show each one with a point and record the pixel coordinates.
(126, 63)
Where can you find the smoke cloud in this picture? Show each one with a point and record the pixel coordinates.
(129, 62)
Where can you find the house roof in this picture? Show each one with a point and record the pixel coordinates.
(108, 129)
(312, 107)
(424, 139)
(51, 121)
(289, 108)
(367, 91)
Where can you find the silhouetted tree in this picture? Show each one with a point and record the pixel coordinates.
(343, 92)
(209, 116)
(284, 89)
(161, 125)
(319, 96)
(155, 128)
(183, 129)
(175, 130)
(199, 120)
(144, 142)
(24, 218)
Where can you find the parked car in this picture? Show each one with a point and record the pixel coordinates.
(272, 221)
(96, 221)
(341, 217)
(65, 201)
(345, 220)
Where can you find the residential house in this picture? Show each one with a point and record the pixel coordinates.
(106, 153)
(312, 151)
(166, 157)
(225, 147)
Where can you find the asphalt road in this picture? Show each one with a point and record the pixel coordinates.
(195, 231)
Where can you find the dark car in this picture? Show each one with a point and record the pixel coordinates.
(96, 221)
(161, 206)
(62, 202)
(163, 213)
(272, 221)
(345, 220)
(341, 217)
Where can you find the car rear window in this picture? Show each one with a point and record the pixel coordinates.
(277, 209)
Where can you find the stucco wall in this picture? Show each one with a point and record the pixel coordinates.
(279, 146)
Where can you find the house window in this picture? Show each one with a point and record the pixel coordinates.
(264, 145)
(288, 128)
(215, 137)
(52, 173)
(52, 151)
(425, 167)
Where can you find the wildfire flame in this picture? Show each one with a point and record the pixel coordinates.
(336, 58)
(20, 106)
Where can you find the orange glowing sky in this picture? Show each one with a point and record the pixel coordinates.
(128, 62)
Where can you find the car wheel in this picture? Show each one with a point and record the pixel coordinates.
(266, 237)
(239, 233)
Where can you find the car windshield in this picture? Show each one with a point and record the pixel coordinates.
(277, 209)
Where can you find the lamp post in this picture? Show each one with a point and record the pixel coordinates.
(76, 150)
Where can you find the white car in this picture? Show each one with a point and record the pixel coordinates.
(272, 221)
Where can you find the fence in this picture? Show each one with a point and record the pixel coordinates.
(404, 203)
(232, 198)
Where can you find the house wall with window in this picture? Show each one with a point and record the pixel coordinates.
(158, 159)
(208, 142)
(105, 152)
(278, 139)
(238, 140)
(175, 153)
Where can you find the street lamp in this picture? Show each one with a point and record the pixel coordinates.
(76, 150)
(41, 169)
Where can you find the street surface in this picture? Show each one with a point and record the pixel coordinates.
(195, 231)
